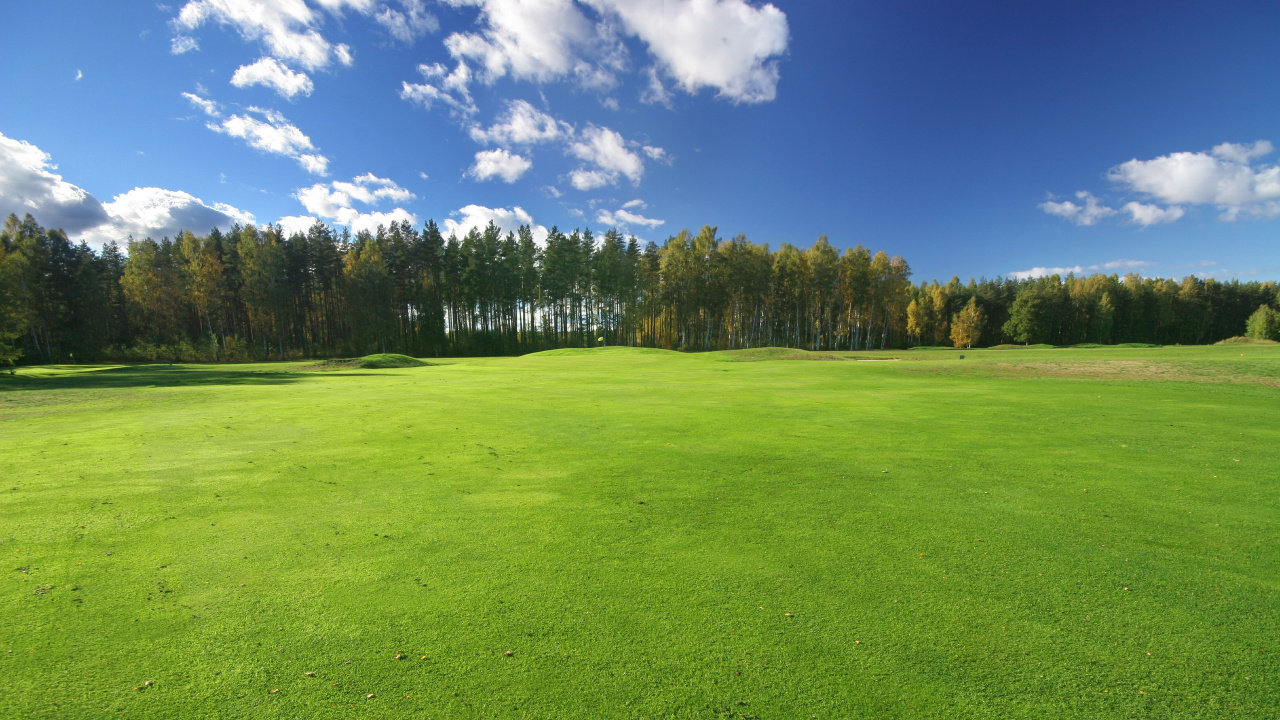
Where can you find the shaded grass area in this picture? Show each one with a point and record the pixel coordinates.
(649, 534)
(384, 361)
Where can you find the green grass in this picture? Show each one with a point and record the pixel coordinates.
(384, 361)
(1064, 533)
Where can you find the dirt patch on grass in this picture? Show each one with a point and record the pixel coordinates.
(1131, 370)
(332, 364)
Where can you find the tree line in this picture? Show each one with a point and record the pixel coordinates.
(257, 293)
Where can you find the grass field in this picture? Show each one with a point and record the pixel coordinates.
(613, 533)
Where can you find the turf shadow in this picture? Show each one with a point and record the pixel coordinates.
(149, 375)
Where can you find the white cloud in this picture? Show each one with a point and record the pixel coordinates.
(656, 153)
(539, 41)
(266, 71)
(728, 45)
(1224, 177)
(79, 75)
(1244, 154)
(327, 200)
(205, 105)
(287, 29)
(408, 23)
(522, 124)
(479, 217)
(1144, 214)
(607, 152)
(292, 225)
(1087, 214)
(335, 202)
(1228, 177)
(182, 44)
(625, 218)
(314, 164)
(274, 135)
(28, 184)
(441, 86)
(591, 179)
(656, 93)
(156, 212)
(634, 204)
(499, 164)
(731, 46)
(1112, 266)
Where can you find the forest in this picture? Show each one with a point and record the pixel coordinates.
(253, 293)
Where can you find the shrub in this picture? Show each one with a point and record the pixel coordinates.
(1263, 324)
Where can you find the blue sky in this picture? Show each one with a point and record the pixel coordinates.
(979, 139)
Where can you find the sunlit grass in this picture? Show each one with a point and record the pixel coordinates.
(1040, 533)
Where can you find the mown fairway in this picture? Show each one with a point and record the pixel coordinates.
(1020, 534)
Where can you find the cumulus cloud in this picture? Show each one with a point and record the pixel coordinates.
(270, 73)
(1244, 154)
(727, 45)
(479, 217)
(591, 179)
(1111, 267)
(292, 225)
(1228, 177)
(335, 202)
(1144, 214)
(625, 218)
(274, 134)
(156, 212)
(1087, 214)
(1225, 177)
(539, 41)
(499, 163)
(28, 184)
(522, 124)
(606, 156)
(287, 29)
(730, 46)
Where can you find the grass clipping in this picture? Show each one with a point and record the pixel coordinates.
(389, 360)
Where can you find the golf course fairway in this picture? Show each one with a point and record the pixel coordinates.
(624, 533)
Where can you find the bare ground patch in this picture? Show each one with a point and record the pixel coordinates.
(1131, 370)
(333, 364)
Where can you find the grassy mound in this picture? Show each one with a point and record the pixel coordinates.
(1009, 346)
(935, 347)
(611, 350)
(774, 353)
(1242, 340)
(389, 360)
